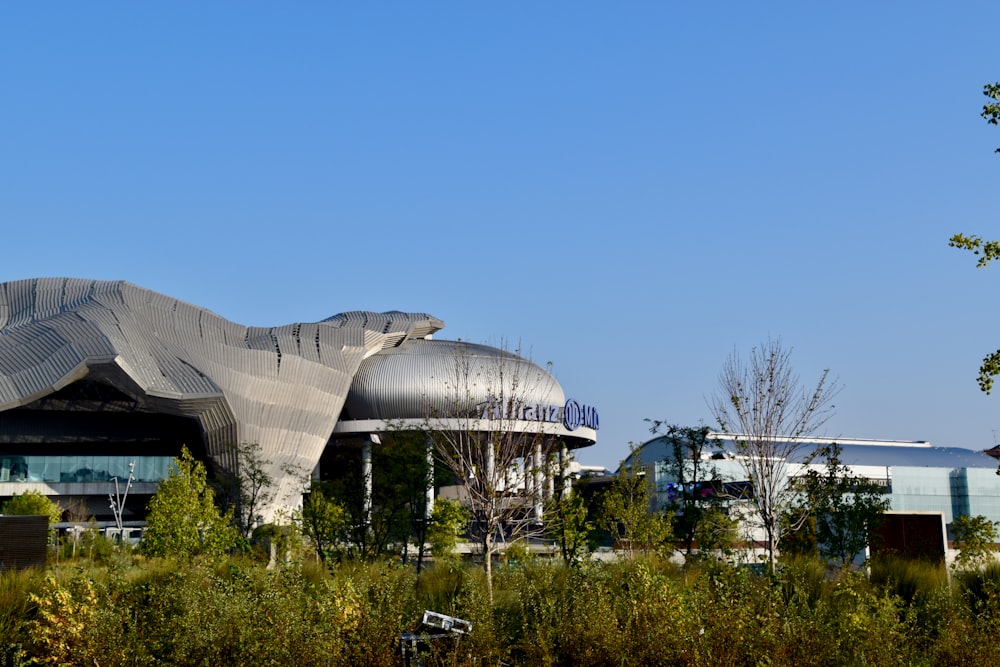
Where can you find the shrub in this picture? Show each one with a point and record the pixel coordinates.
(975, 537)
(645, 611)
(64, 616)
(981, 588)
(33, 503)
(910, 579)
(15, 612)
(183, 519)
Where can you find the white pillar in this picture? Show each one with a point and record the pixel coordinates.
(429, 509)
(366, 476)
(539, 481)
(551, 469)
(513, 477)
(491, 465)
(567, 478)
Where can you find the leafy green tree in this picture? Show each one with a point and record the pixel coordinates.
(402, 473)
(628, 512)
(717, 531)
(991, 110)
(183, 520)
(696, 496)
(364, 528)
(324, 521)
(975, 538)
(841, 509)
(799, 535)
(395, 515)
(247, 489)
(33, 503)
(448, 521)
(567, 521)
(987, 251)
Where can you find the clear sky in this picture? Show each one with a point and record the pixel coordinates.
(631, 191)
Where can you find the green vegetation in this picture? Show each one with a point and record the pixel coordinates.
(835, 509)
(629, 514)
(448, 522)
(698, 505)
(183, 520)
(975, 538)
(33, 503)
(245, 490)
(568, 524)
(395, 513)
(190, 596)
(987, 251)
(130, 610)
(323, 521)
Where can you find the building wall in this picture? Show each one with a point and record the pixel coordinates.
(952, 491)
(984, 493)
(926, 489)
(279, 387)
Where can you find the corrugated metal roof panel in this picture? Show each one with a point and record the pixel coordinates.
(76, 291)
(190, 361)
(48, 297)
(20, 302)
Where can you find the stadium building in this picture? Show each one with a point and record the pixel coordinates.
(102, 378)
(916, 477)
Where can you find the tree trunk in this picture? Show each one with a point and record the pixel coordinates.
(488, 565)
(772, 546)
(420, 556)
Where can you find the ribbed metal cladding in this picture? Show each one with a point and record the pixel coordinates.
(281, 387)
(23, 541)
(425, 378)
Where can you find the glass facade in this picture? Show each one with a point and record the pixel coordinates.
(984, 493)
(927, 489)
(82, 469)
(953, 491)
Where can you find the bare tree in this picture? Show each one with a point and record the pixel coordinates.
(761, 403)
(487, 431)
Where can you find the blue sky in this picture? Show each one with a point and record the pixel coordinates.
(631, 191)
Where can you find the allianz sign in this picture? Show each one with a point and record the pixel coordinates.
(573, 414)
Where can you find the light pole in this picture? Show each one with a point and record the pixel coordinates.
(118, 499)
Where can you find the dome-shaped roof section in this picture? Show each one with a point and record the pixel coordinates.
(442, 378)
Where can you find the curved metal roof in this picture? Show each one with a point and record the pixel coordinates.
(282, 387)
(860, 453)
(931, 457)
(444, 378)
(454, 385)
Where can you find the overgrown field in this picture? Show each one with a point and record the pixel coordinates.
(128, 611)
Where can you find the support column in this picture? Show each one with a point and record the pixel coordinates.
(491, 465)
(550, 476)
(366, 476)
(539, 481)
(513, 477)
(567, 478)
(429, 506)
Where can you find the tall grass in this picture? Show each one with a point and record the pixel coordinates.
(630, 612)
(910, 579)
(15, 611)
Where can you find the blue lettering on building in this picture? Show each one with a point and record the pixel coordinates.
(573, 414)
